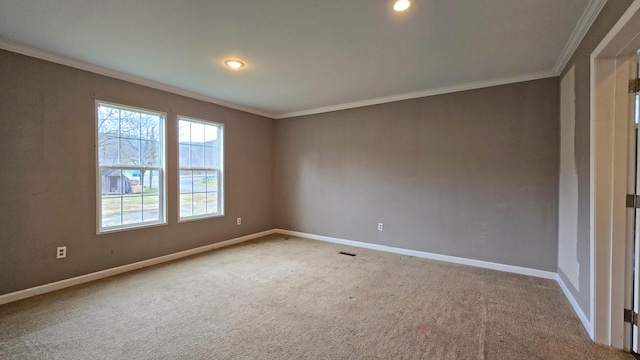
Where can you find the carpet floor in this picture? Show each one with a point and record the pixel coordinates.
(292, 298)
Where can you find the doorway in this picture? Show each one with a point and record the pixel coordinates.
(611, 143)
(632, 275)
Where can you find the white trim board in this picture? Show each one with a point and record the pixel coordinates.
(23, 294)
(456, 260)
(42, 289)
(100, 70)
(419, 94)
(584, 24)
(610, 123)
(576, 308)
(427, 255)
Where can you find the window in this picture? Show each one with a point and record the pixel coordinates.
(201, 166)
(131, 174)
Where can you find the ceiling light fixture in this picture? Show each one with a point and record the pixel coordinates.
(401, 5)
(234, 64)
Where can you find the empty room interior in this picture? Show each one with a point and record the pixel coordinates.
(422, 179)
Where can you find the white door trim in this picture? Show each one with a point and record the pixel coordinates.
(608, 183)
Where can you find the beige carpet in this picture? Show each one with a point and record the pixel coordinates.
(278, 298)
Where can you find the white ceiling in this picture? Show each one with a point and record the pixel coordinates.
(302, 56)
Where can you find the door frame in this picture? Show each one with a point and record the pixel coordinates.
(609, 147)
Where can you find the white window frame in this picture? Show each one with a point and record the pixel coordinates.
(220, 170)
(162, 188)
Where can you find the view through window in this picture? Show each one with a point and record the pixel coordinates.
(200, 162)
(130, 167)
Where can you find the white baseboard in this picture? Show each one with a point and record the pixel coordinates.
(457, 260)
(576, 308)
(427, 255)
(38, 290)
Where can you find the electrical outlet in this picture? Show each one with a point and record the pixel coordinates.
(61, 252)
(380, 226)
(239, 221)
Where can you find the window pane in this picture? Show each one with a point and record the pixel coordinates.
(186, 182)
(108, 112)
(134, 180)
(150, 152)
(212, 203)
(184, 132)
(199, 181)
(185, 156)
(212, 180)
(111, 206)
(132, 209)
(210, 134)
(199, 203)
(108, 151)
(129, 152)
(109, 127)
(150, 127)
(210, 157)
(197, 133)
(129, 124)
(151, 208)
(110, 181)
(199, 193)
(185, 205)
(151, 182)
(212, 192)
(108, 121)
(197, 156)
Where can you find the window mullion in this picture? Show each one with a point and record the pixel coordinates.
(134, 167)
(198, 169)
(142, 200)
(118, 134)
(121, 200)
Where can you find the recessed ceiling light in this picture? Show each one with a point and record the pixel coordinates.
(401, 5)
(234, 64)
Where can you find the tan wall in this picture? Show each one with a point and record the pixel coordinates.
(471, 174)
(48, 174)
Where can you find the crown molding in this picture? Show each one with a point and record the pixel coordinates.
(588, 17)
(618, 27)
(78, 64)
(418, 94)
